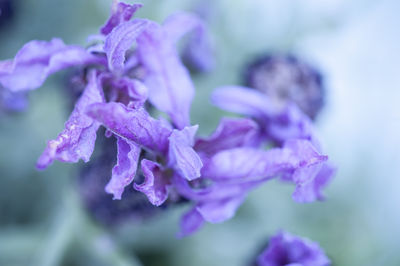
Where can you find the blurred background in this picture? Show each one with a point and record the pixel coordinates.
(355, 44)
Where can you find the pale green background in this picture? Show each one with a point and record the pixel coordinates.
(355, 43)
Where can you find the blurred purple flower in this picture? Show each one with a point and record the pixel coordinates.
(286, 78)
(290, 250)
(214, 173)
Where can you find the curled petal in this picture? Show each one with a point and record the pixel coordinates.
(39, 59)
(78, 138)
(170, 88)
(120, 13)
(182, 23)
(230, 133)
(181, 155)
(198, 52)
(155, 185)
(120, 40)
(243, 100)
(292, 123)
(310, 159)
(124, 171)
(313, 172)
(132, 124)
(312, 190)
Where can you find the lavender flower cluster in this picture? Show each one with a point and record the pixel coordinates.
(135, 64)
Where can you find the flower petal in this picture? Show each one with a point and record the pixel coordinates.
(38, 59)
(242, 100)
(121, 12)
(220, 211)
(292, 123)
(155, 185)
(133, 124)
(312, 190)
(230, 133)
(182, 23)
(235, 164)
(78, 138)
(181, 155)
(120, 40)
(170, 88)
(133, 88)
(124, 171)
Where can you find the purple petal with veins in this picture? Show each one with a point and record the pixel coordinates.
(230, 133)
(170, 87)
(155, 185)
(132, 124)
(181, 155)
(39, 59)
(78, 138)
(124, 171)
(120, 13)
(120, 40)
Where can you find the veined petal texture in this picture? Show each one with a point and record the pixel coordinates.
(171, 89)
(132, 124)
(77, 140)
(120, 12)
(124, 171)
(38, 59)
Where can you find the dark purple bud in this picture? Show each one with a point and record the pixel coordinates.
(6, 11)
(285, 78)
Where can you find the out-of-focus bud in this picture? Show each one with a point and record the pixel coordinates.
(6, 11)
(286, 78)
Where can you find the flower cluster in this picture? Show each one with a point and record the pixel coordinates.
(135, 64)
(287, 249)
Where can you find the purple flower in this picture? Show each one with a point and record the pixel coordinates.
(77, 140)
(135, 63)
(290, 250)
(171, 146)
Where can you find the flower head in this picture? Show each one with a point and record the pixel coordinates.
(287, 249)
(134, 64)
(286, 78)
